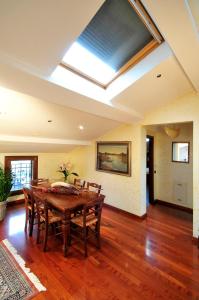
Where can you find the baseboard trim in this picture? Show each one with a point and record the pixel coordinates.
(173, 205)
(125, 213)
(15, 202)
(195, 240)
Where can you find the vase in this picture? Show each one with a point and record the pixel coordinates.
(2, 210)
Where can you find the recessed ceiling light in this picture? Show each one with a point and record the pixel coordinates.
(81, 127)
(49, 121)
(158, 75)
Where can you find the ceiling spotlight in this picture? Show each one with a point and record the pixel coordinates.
(81, 127)
(158, 75)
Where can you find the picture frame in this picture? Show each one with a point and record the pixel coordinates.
(180, 152)
(114, 157)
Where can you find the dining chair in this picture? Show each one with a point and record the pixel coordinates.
(88, 223)
(46, 217)
(94, 187)
(30, 210)
(79, 183)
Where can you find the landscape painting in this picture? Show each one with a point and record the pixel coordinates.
(114, 157)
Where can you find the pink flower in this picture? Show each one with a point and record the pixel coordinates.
(68, 166)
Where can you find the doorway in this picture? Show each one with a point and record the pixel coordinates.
(149, 170)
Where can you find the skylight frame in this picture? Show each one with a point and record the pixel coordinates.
(157, 40)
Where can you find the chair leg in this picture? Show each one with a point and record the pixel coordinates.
(26, 220)
(38, 232)
(85, 241)
(97, 233)
(32, 217)
(45, 237)
(69, 238)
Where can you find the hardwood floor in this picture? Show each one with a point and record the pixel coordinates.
(150, 259)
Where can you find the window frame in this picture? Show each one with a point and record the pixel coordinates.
(34, 159)
(152, 45)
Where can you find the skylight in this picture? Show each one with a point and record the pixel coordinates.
(82, 59)
(119, 35)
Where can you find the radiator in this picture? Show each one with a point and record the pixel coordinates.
(180, 192)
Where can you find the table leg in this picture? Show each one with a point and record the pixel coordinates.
(31, 223)
(66, 230)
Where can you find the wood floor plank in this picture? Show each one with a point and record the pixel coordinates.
(151, 259)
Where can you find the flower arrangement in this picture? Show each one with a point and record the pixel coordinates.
(65, 170)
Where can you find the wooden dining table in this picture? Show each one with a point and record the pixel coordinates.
(68, 203)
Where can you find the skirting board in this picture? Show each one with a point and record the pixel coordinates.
(176, 206)
(195, 241)
(126, 213)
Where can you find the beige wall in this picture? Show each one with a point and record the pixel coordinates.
(127, 193)
(169, 174)
(48, 164)
(185, 109)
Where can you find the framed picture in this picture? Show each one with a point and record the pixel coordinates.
(114, 157)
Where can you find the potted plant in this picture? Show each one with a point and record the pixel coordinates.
(65, 170)
(6, 179)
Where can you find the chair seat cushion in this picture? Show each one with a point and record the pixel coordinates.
(91, 219)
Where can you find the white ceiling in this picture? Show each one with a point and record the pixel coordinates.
(172, 84)
(28, 116)
(34, 37)
(37, 33)
(194, 8)
(175, 22)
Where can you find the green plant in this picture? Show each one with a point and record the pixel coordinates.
(6, 180)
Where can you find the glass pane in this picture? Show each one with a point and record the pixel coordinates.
(23, 174)
(180, 152)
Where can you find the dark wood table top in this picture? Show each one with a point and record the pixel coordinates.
(63, 202)
(66, 202)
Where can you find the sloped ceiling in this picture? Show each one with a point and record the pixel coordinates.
(37, 33)
(34, 37)
(158, 91)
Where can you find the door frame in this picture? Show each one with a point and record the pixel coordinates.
(151, 169)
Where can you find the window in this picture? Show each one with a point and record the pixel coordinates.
(24, 169)
(118, 36)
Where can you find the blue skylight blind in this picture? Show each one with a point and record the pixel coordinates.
(115, 34)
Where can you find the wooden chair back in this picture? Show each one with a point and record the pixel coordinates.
(29, 209)
(28, 196)
(94, 207)
(94, 186)
(40, 203)
(79, 183)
